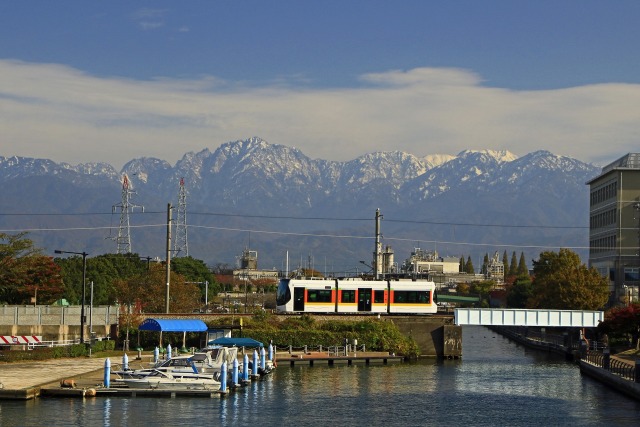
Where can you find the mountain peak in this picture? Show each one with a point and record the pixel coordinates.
(501, 156)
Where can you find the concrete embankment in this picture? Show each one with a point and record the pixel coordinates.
(568, 347)
(625, 386)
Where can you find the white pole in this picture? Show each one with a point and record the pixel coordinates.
(91, 312)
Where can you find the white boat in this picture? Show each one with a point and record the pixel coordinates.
(167, 381)
(204, 365)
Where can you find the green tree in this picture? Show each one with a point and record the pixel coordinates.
(519, 292)
(513, 267)
(462, 265)
(468, 267)
(562, 282)
(523, 270)
(505, 263)
(195, 270)
(102, 270)
(485, 263)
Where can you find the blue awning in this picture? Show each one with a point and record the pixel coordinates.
(236, 342)
(173, 325)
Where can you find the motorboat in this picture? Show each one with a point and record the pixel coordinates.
(171, 381)
(204, 365)
(232, 344)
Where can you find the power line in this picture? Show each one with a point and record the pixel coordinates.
(299, 218)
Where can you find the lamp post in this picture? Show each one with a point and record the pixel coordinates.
(206, 293)
(84, 280)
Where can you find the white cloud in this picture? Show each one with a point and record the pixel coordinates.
(52, 111)
(149, 19)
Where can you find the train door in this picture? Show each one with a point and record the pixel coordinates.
(298, 299)
(364, 299)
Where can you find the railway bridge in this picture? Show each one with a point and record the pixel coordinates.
(441, 336)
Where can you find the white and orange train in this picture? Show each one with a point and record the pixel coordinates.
(356, 296)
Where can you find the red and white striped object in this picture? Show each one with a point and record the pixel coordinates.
(22, 339)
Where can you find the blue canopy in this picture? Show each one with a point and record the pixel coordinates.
(236, 342)
(173, 325)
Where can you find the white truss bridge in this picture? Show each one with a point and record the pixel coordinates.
(526, 317)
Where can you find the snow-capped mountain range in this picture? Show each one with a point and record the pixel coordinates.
(275, 199)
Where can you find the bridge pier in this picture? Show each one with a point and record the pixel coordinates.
(436, 336)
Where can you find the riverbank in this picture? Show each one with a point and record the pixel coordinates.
(619, 372)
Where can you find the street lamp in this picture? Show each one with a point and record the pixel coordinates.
(84, 280)
(206, 293)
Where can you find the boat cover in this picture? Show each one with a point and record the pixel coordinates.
(236, 342)
(173, 325)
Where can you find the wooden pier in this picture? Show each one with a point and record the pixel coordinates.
(312, 358)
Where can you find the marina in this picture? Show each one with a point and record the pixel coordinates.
(85, 377)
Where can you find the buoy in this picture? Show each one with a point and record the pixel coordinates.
(125, 362)
(156, 355)
(168, 351)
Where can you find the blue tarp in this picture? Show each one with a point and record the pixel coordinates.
(236, 342)
(173, 325)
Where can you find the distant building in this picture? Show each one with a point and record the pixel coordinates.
(423, 262)
(495, 268)
(614, 227)
(248, 268)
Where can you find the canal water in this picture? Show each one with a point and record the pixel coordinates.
(497, 382)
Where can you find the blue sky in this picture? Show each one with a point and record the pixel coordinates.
(86, 81)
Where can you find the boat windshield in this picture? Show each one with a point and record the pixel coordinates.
(283, 294)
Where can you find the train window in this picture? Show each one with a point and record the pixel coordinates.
(412, 297)
(318, 295)
(348, 296)
(378, 297)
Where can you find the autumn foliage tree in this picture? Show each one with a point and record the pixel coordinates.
(561, 281)
(25, 273)
(147, 290)
(622, 323)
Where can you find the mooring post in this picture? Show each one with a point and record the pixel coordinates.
(234, 373)
(168, 351)
(107, 372)
(156, 355)
(223, 377)
(255, 363)
(245, 368)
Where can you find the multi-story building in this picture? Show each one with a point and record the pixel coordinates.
(614, 227)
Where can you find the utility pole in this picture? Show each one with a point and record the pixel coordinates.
(377, 253)
(168, 255)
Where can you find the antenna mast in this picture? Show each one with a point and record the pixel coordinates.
(180, 243)
(123, 240)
